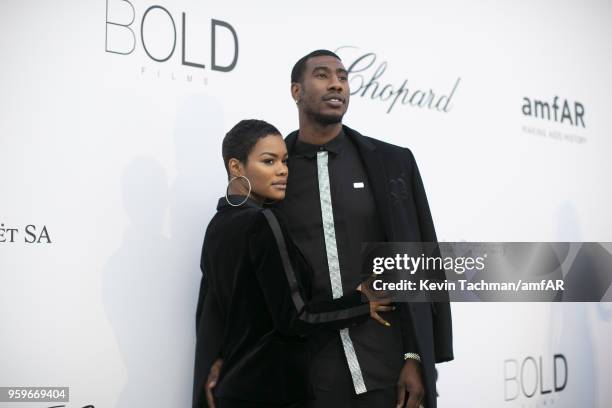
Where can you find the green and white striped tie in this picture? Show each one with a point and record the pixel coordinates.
(334, 266)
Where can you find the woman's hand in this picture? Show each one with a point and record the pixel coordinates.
(211, 381)
(378, 302)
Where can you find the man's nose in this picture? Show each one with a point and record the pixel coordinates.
(335, 83)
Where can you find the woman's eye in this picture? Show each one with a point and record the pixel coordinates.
(321, 76)
(269, 161)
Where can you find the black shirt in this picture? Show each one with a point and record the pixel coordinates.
(355, 217)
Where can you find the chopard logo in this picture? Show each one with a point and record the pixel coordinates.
(368, 79)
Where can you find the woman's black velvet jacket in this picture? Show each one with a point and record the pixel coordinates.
(258, 280)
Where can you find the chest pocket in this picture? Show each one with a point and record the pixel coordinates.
(398, 189)
(358, 191)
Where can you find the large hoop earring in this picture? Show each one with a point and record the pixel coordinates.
(227, 188)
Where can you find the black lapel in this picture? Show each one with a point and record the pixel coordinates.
(377, 176)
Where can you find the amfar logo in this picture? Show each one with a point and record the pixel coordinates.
(367, 71)
(158, 35)
(529, 377)
(555, 111)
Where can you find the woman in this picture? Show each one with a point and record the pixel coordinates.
(259, 281)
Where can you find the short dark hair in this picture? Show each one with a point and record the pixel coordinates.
(239, 141)
(297, 73)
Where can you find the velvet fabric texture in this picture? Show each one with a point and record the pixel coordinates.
(258, 285)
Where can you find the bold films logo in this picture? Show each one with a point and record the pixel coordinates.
(564, 118)
(369, 79)
(169, 42)
(537, 379)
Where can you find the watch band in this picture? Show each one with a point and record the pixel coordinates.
(412, 356)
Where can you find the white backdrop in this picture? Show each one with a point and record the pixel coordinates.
(118, 156)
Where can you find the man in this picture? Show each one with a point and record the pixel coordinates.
(344, 189)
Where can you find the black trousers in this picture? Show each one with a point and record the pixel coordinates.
(234, 403)
(333, 385)
(385, 398)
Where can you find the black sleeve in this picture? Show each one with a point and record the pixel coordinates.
(203, 290)
(210, 327)
(407, 328)
(291, 313)
(441, 312)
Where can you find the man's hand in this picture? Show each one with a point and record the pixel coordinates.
(211, 381)
(410, 381)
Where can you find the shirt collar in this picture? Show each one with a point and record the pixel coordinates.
(310, 150)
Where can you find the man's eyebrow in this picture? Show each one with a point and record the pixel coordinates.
(327, 69)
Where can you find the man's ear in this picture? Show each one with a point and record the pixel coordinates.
(296, 91)
(236, 169)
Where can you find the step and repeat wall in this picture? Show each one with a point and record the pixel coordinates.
(111, 121)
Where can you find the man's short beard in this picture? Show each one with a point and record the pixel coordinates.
(325, 120)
